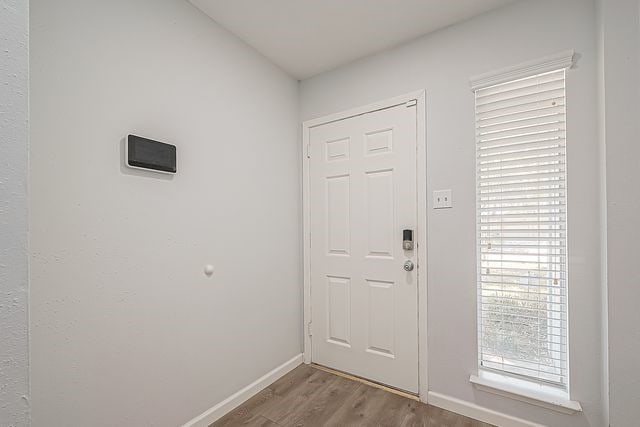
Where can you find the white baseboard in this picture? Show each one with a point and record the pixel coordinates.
(230, 403)
(476, 412)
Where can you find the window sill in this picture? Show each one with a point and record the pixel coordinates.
(525, 391)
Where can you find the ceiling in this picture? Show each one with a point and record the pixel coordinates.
(307, 37)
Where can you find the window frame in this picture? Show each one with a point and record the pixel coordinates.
(501, 382)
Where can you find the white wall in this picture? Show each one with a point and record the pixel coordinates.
(442, 63)
(127, 330)
(620, 26)
(14, 276)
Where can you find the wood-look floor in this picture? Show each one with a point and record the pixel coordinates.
(312, 397)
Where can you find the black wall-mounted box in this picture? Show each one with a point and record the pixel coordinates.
(143, 153)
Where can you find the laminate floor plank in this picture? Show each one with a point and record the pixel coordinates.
(360, 408)
(298, 396)
(260, 421)
(394, 410)
(293, 379)
(310, 397)
(249, 411)
(317, 411)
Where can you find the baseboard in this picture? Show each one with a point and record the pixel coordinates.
(230, 403)
(476, 412)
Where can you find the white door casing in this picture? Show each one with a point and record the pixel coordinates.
(360, 194)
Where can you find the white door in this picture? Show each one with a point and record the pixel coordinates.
(364, 305)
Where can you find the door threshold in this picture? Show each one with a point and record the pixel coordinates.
(384, 387)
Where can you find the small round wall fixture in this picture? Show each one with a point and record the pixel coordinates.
(208, 270)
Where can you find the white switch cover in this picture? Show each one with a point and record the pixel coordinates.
(442, 199)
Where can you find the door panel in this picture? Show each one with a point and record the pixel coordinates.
(339, 310)
(362, 195)
(338, 212)
(379, 226)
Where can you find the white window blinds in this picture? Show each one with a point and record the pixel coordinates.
(521, 227)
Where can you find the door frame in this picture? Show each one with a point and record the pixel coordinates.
(421, 232)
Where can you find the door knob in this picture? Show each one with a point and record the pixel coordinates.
(408, 265)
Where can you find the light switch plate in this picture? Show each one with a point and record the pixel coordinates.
(442, 199)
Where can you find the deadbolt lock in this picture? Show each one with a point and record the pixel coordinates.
(407, 240)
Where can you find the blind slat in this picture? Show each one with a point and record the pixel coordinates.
(519, 140)
(517, 109)
(549, 158)
(533, 186)
(494, 270)
(517, 198)
(516, 243)
(521, 91)
(514, 118)
(542, 96)
(505, 133)
(558, 192)
(555, 150)
(509, 238)
(491, 292)
(520, 168)
(497, 204)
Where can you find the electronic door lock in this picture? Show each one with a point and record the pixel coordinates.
(407, 240)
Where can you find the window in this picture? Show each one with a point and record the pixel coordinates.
(522, 228)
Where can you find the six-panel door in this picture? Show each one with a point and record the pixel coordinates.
(362, 196)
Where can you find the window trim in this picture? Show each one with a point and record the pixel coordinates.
(532, 392)
(549, 63)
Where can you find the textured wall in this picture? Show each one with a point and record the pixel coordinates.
(126, 328)
(14, 365)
